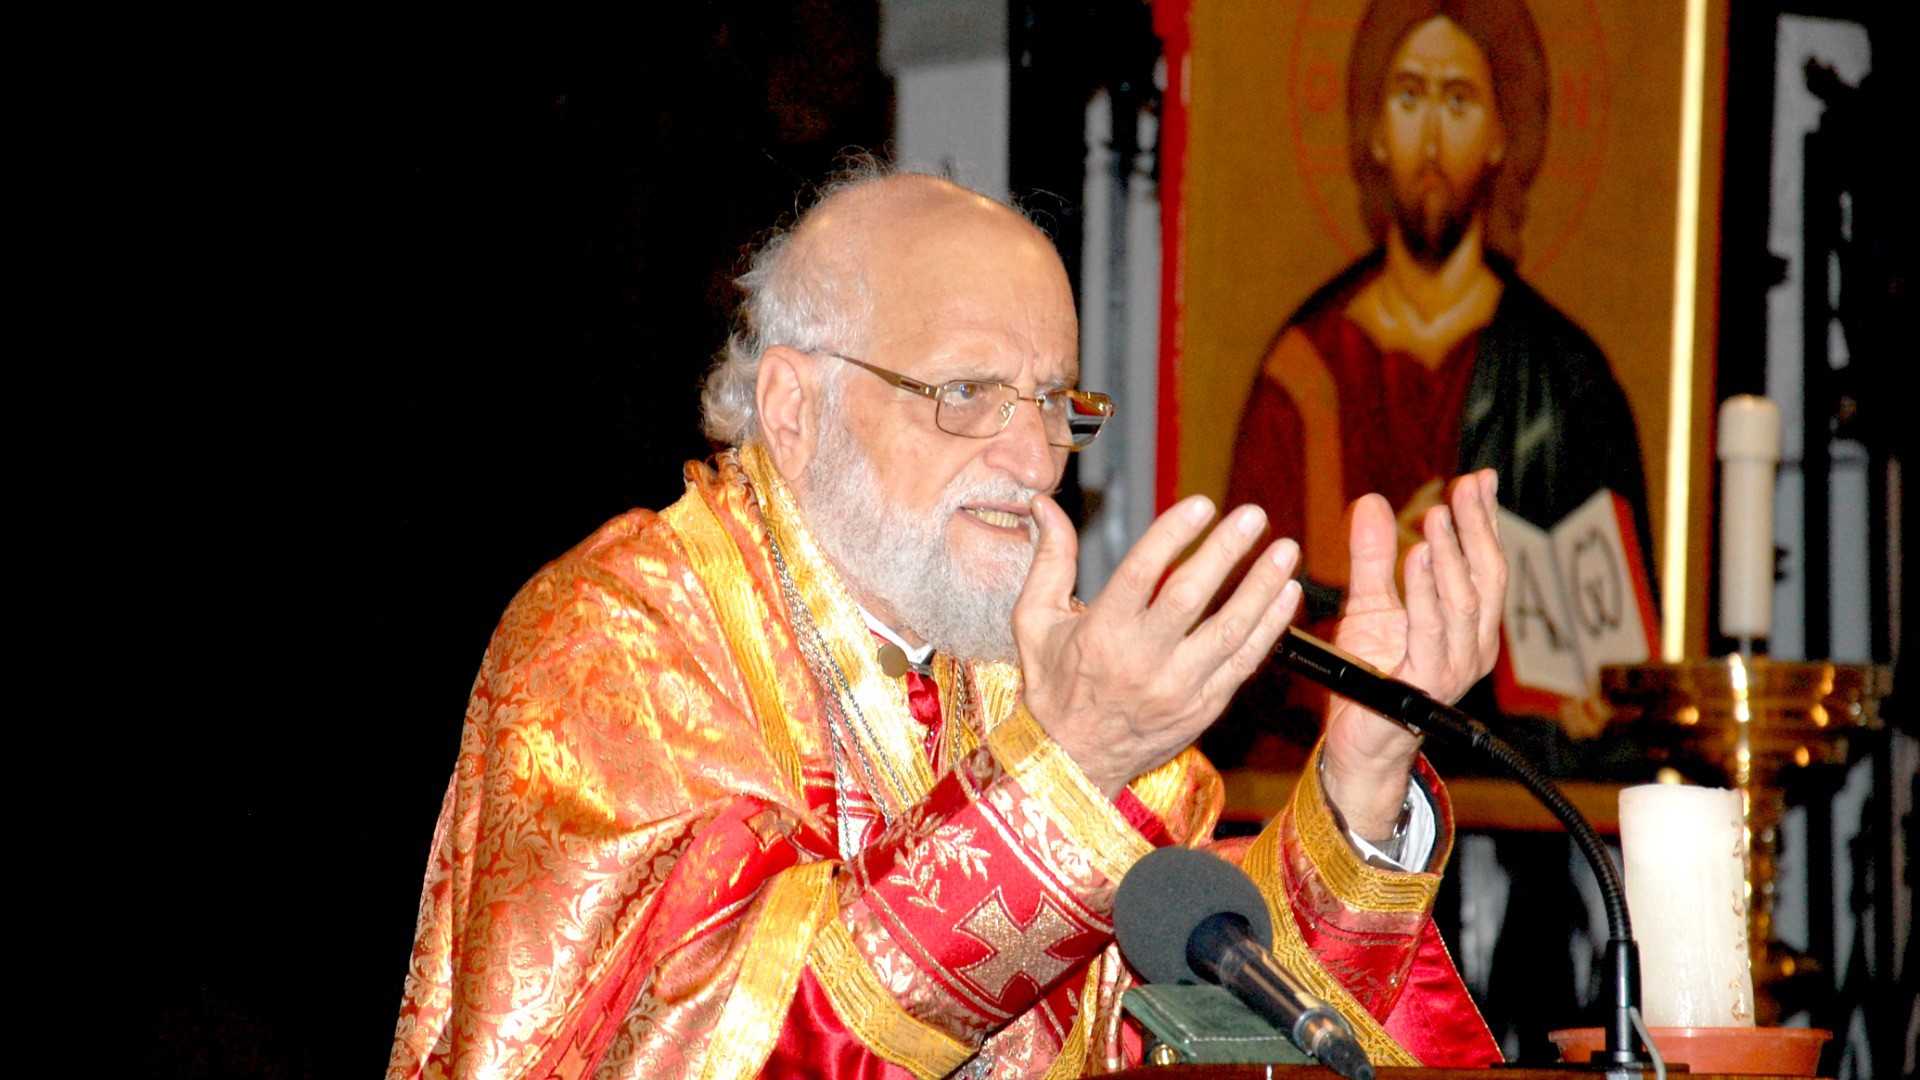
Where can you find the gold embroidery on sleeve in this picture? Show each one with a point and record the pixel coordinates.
(1354, 883)
(873, 1015)
(1262, 864)
(1070, 799)
(1073, 1053)
(1160, 789)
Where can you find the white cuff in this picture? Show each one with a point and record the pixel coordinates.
(1416, 845)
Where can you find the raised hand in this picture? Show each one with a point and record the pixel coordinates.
(1127, 681)
(1442, 638)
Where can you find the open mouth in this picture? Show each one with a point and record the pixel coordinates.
(998, 518)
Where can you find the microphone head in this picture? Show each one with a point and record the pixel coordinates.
(1167, 895)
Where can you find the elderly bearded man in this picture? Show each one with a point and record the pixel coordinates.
(716, 812)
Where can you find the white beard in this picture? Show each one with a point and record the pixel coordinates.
(905, 560)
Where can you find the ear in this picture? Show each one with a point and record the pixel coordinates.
(1497, 152)
(786, 398)
(1379, 148)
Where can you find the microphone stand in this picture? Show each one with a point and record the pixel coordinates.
(1353, 678)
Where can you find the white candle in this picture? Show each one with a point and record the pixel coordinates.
(1685, 853)
(1749, 452)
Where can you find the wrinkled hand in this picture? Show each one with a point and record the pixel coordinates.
(1126, 682)
(1443, 638)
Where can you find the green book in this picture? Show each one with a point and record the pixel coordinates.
(1207, 1025)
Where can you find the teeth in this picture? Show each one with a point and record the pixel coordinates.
(996, 517)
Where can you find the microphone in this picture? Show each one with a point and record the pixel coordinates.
(1189, 916)
(1355, 679)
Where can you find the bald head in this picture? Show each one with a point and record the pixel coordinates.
(855, 255)
(910, 283)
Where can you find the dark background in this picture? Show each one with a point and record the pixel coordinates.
(398, 310)
(416, 308)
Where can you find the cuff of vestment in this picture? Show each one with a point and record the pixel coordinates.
(1085, 816)
(1357, 885)
(868, 1009)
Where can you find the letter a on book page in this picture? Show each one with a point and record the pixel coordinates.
(1577, 599)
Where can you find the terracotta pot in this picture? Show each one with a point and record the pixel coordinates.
(1767, 1051)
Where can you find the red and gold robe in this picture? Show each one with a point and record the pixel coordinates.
(693, 832)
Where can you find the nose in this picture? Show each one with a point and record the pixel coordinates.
(1021, 450)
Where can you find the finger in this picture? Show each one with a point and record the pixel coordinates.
(1191, 588)
(1134, 580)
(1227, 630)
(1426, 622)
(1373, 546)
(1476, 517)
(1476, 511)
(1253, 619)
(1459, 603)
(1049, 586)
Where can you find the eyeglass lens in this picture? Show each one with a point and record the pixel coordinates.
(983, 409)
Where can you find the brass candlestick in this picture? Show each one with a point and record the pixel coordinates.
(1751, 718)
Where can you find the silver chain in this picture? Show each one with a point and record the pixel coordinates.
(842, 705)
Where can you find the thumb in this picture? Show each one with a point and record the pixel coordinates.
(1056, 557)
(1373, 545)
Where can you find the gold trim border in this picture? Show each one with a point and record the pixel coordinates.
(1262, 864)
(873, 1015)
(1353, 882)
(798, 900)
(890, 737)
(1072, 1059)
(1111, 844)
(1159, 789)
(743, 617)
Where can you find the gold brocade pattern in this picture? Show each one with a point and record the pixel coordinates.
(1111, 845)
(950, 678)
(1159, 789)
(717, 562)
(1072, 1060)
(1262, 864)
(903, 777)
(997, 687)
(872, 1013)
(1353, 882)
(797, 903)
(1186, 794)
(637, 861)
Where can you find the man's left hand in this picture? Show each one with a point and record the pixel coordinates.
(1442, 638)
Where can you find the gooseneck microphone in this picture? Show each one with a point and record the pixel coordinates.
(1189, 916)
(1355, 679)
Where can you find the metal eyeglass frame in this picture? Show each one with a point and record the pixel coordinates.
(1098, 404)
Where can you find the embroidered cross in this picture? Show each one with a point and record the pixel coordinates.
(1017, 950)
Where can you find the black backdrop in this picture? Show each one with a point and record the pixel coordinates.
(407, 312)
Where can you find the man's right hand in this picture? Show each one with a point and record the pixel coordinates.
(1128, 681)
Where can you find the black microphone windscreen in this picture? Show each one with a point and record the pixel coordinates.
(1167, 895)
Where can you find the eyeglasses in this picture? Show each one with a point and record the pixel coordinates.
(975, 409)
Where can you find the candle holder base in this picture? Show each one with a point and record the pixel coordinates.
(1763, 1051)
